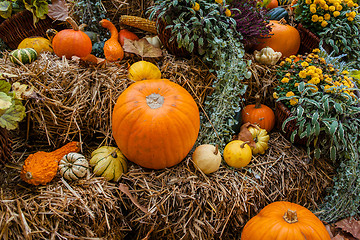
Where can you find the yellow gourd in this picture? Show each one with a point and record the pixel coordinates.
(237, 154)
(261, 139)
(143, 70)
(40, 44)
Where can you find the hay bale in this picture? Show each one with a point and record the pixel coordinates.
(176, 203)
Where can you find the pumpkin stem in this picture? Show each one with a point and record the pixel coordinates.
(73, 24)
(114, 154)
(155, 100)
(257, 104)
(243, 144)
(216, 149)
(28, 175)
(290, 216)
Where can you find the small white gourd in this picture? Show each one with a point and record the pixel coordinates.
(267, 56)
(73, 166)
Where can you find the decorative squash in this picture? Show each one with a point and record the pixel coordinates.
(40, 44)
(154, 40)
(143, 70)
(277, 13)
(41, 167)
(123, 33)
(272, 4)
(237, 154)
(71, 42)
(108, 162)
(155, 123)
(261, 139)
(267, 56)
(23, 55)
(207, 158)
(284, 220)
(259, 114)
(73, 166)
(284, 38)
(112, 48)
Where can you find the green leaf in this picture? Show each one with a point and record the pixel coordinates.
(333, 153)
(300, 111)
(333, 127)
(5, 9)
(338, 108)
(5, 101)
(317, 129)
(315, 118)
(292, 137)
(5, 86)
(12, 116)
(317, 153)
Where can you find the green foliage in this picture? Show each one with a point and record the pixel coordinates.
(39, 8)
(336, 23)
(207, 28)
(323, 101)
(11, 109)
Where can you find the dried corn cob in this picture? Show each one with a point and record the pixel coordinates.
(139, 22)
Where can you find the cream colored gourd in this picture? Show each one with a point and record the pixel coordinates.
(73, 166)
(207, 158)
(261, 139)
(108, 162)
(155, 41)
(267, 56)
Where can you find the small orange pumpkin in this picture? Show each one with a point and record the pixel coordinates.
(155, 123)
(285, 220)
(283, 38)
(124, 33)
(259, 114)
(71, 42)
(112, 48)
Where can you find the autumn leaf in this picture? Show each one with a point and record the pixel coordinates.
(58, 10)
(245, 135)
(351, 226)
(142, 48)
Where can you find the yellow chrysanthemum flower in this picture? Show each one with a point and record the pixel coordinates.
(350, 19)
(219, 1)
(285, 80)
(318, 70)
(327, 88)
(288, 60)
(290, 94)
(316, 50)
(304, 64)
(294, 101)
(345, 72)
(296, 84)
(313, 10)
(315, 80)
(332, 8)
(321, 18)
(327, 16)
(275, 95)
(308, 2)
(282, 63)
(336, 13)
(350, 4)
(325, 7)
(339, 7)
(324, 23)
(228, 12)
(352, 14)
(314, 18)
(196, 7)
(287, 75)
(302, 74)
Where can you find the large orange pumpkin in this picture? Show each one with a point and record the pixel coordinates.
(284, 38)
(155, 123)
(71, 42)
(284, 220)
(259, 114)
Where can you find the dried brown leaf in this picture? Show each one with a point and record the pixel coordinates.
(125, 189)
(338, 237)
(57, 10)
(351, 226)
(245, 135)
(142, 48)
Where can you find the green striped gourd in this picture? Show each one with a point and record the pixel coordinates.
(23, 55)
(73, 166)
(108, 162)
(277, 13)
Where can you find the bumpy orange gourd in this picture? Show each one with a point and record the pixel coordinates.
(284, 221)
(155, 123)
(284, 38)
(259, 114)
(112, 48)
(41, 167)
(71, 42)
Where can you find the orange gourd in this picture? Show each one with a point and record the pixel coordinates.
(155, 123)
(41, 167)
(283, 38)
(112, 48)
(284, 221)
(259, 114)
(272, 4)
(71, 42)
(126, 34)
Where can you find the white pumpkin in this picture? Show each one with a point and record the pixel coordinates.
(73, 166)
(207, 158)
(108, 162)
